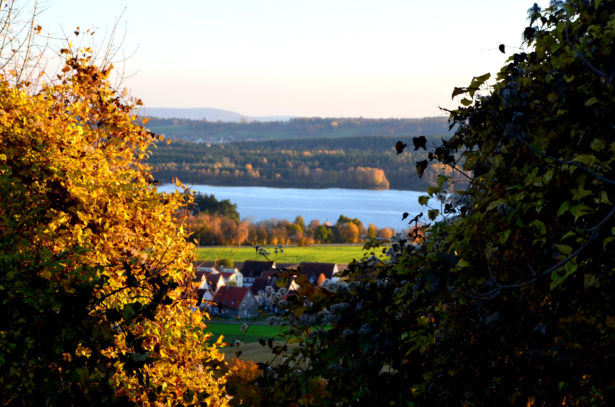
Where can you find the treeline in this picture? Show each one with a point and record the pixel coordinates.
(215, 229)
(364, 163)
(313, 127)
(213, 222)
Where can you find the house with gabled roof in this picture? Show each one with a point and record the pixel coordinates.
(252, 269)
(214, 282)
(232, 276)
(235, 302)
(317, 273)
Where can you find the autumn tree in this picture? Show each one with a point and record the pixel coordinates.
(93, 263)
(509, 299)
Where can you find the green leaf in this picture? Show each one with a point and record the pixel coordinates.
(432, 190)
(564, 249)
(463, 263)
(579, 193)
(441, 180)
(598, 145)
(586, 159)
(557, 277)
(479, 80)
(466, 102)
(591, 101)
(606, 241)
(538, 226)
(494, 204)
(579, 210)
(503, 236)
(603, 198)
(570, 267)
(433, 214)
(590, 280)
(546, 178)
(423, 199)
(458, 91)
(563, 208)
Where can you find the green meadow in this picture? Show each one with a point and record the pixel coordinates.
(232, 331)
(249, 349)
(290, 255)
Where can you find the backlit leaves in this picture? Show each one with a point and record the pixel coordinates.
(94, 263)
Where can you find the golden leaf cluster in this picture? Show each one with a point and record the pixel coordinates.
(80, 208)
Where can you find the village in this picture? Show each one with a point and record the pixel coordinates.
(233, 293)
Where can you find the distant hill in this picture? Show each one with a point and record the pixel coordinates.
(297, 128)
(205, 113)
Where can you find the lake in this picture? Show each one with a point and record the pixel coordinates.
(383, 208)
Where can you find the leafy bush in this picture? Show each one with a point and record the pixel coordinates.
(509, 298)
(94, 265)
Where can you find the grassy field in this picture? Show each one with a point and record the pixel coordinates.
(291, 254)
(250, 349)
(232, 331)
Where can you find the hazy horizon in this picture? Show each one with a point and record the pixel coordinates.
(390, 59)
(200, 113)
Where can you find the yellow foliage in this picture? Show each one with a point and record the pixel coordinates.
(76, 192)
(241, 383)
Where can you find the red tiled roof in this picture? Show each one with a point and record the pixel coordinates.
(231, 297)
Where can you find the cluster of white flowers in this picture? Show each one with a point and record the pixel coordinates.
(399, 244)
(269, 296)
(335, 285)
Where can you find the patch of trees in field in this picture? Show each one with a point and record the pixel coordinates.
(214, 222)
(364, 163)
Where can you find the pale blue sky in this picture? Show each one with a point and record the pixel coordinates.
(386, 58)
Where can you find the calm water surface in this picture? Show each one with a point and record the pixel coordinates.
(383, 208)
